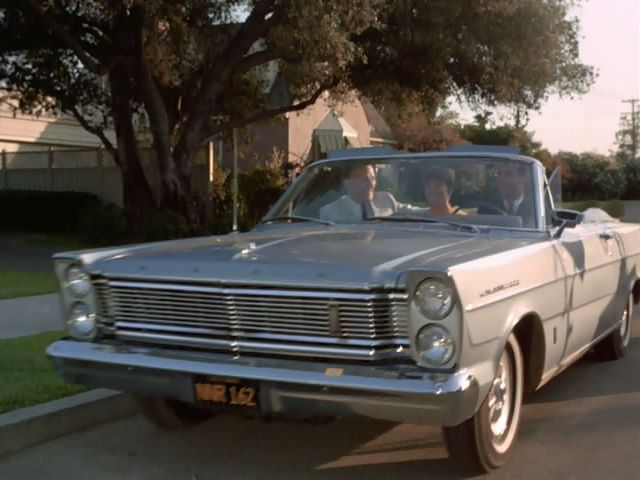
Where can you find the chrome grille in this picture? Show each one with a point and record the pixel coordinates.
(347, 325)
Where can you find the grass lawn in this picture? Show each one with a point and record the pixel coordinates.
(23, 284)
(28, 377)
(59, 241)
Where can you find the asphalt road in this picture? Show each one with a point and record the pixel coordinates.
(585, 424)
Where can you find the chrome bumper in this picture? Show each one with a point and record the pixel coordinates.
(402, 393)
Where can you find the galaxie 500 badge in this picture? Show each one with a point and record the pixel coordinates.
(500, 288)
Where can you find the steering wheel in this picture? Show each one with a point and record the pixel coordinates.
(489, 209)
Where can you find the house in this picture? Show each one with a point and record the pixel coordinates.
(27, 140)
(308, 135)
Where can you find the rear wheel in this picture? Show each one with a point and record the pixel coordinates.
(614, 345)
(170, 414)
(486, 440)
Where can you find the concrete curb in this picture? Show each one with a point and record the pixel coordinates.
(30, 426)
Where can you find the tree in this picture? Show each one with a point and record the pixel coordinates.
(628, 138)
(482, 133)
(491, 52)
(194, 69)
(189, 69)
(591, 176)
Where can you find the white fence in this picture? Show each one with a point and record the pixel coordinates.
(90, 171)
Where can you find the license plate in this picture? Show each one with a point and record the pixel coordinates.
(226, 392)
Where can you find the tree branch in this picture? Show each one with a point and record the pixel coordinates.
(268, 55)
(62, 33)
(216, 77)
(98, 132)
(273, 112)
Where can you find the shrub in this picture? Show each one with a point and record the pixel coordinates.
(163, 225)
(591, 177)
(615, 208)
(44, 212)
(103, 224)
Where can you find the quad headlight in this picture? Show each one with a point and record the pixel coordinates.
(435, 345)
(77, 281)
(81, 322)
(434, 299)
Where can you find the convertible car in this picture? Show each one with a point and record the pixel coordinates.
(435, 288)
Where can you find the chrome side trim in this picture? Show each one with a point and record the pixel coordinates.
(254, 291)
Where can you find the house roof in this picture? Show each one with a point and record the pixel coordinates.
(333, 122)
(380, 129)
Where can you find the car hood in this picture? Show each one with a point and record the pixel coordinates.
(374, 256)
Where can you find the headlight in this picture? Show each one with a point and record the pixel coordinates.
(77, 281)
(82, 322)
(435, 345)
(434, 298)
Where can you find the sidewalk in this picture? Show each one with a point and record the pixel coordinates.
(30, 315)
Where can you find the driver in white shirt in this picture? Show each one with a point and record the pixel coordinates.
(360, 201)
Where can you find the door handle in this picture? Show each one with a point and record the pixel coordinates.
(606, 236)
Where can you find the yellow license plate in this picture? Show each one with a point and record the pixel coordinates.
(227, 392)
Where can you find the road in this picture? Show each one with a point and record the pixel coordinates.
(585, 424)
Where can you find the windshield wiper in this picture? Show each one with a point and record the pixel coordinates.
(411, 218)
(296, 218)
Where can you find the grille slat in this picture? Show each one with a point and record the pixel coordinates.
(372, 326)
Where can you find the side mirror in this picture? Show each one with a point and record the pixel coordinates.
(565, 218)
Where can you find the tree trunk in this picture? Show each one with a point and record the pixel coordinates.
(137, 194)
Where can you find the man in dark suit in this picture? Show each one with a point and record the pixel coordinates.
(511, 179)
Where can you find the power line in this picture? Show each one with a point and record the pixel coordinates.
(635, 125)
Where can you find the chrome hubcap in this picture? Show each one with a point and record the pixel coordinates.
(624, 325)
(500, 399)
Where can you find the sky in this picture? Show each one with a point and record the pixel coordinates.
(610, 42)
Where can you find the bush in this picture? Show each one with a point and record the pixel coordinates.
(43, 212)
(163, 226)
(615, 208)
(591, 177)
(103, 224)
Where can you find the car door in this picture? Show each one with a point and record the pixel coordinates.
(594, 256)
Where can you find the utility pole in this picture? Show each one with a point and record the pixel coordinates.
(635, 126)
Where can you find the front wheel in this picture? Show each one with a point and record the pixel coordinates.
(486, 440)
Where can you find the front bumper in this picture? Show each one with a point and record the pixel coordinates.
(401, 393)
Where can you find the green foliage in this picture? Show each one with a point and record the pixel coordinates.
(627, 139)
(162, 225)
(189, 70)
(615, 208)
(509, 52)
(24, 284)
(631, 172)
(103, 224)
(591, 177)
(28, 377)
(49, 212)
(260, 188)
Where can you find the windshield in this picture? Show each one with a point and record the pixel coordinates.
(467, 190)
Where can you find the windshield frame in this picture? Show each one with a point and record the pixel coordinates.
(537, 171)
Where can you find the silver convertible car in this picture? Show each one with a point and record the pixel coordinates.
(435, 288)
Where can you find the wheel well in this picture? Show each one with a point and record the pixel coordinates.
(636, 292)
(530, 335)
